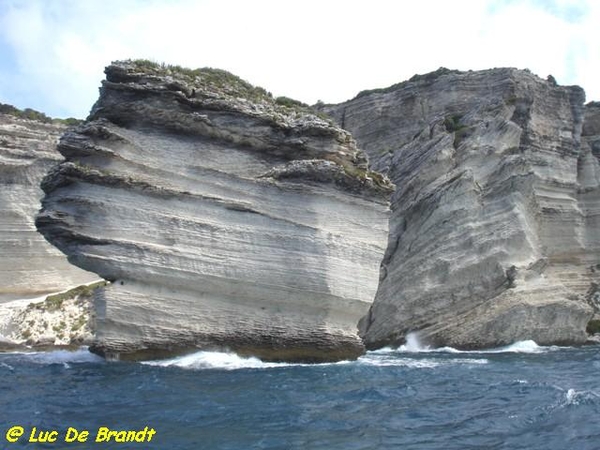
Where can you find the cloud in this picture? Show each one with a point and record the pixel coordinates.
(54, 52)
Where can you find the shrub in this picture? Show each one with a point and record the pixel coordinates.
(593, 327)
(69, 121)
(290, 102)
(54, 302)
(452, 123)
(32, 114)
(26, 113)
(219, 78)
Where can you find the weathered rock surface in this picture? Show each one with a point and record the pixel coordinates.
(590, 179)
(222, 218)
(29, 265)
(495, 227)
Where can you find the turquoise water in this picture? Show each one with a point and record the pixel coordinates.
(519, 397)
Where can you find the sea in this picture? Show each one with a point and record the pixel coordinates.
(523, 396)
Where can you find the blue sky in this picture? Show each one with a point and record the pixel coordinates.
(52, 52)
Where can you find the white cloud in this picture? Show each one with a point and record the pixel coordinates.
(309, 50)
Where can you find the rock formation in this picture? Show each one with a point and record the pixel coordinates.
(222, 217)
(590, 179)
(495, 226)
(29, 266)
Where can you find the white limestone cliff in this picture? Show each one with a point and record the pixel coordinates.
(223, 219)
(29, 266)
(494, 233)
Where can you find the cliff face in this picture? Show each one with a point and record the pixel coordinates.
(222, 218)
(590, 180)
(494, 233)
(29, 266)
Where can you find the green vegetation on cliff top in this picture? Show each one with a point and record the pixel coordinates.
(32, 114)
(230, 84)
(217, 78)
(225, 81)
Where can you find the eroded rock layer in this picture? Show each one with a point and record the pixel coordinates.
(223, 218)
(495, 233)
(29, 265)
(590, 180)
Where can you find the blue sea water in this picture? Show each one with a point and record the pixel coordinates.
(520, 397)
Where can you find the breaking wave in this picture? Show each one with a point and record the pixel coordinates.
(414, 345)
(410, 355)
(521, 347)
(574, 397)
(394, 360)
(203, 360)
(215, 360)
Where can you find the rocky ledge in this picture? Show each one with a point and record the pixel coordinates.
(29, 266)
(222, 217)
(495, 226)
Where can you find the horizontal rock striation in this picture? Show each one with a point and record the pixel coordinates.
(29, 266)
(589, 178)
(222, 219)
(494, 233)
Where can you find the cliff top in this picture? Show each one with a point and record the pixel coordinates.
(431, 77)
(211, 84)
(217, 104)
(32, 114)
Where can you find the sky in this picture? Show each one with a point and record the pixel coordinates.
(53, 52)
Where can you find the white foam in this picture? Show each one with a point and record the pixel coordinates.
(7, 366)
(215, 360)
(400, 362)
(520, 347)
(383, 351)
(414, 346)
(468, 361)
(205, 360)
(82, 355)
(573, 397)
(386, 356)
(384, 360)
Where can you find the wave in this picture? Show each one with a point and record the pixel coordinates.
(414, 345)
(205, 360)
(81, 355)
(377, 360)
(573, 397)
(384, 357)
(7, 366)
(201, 360)
(528, 346)
(216, 360)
